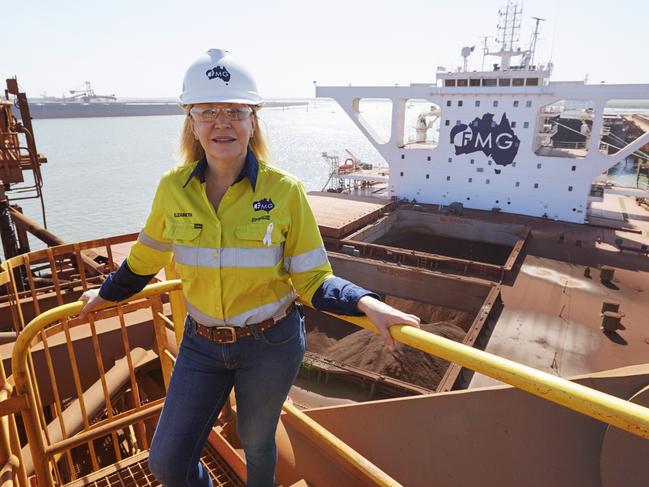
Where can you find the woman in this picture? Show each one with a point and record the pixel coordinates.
(246, 244)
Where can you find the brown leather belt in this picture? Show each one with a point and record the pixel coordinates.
(230, 334)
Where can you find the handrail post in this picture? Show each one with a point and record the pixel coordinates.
(178, 308)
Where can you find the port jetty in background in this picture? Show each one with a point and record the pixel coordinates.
(85, 102)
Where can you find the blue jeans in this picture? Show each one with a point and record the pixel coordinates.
(261, 369)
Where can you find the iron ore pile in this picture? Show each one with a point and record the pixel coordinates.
(365, 349)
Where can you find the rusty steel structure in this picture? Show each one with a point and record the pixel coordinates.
(18, 156)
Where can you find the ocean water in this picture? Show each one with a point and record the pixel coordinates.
(102, 172)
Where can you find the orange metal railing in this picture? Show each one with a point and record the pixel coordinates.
(74, 425)
(36, 282)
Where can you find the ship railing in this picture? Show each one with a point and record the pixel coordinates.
(604, 407)
(75, 423)
(56, 453)
(12, 471)
(569, 145)
(85, 407)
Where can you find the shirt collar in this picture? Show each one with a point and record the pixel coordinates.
(250, 170)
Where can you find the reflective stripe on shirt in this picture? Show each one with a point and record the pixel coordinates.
(306, 261)
(249, 317)
(228, 257)
(153, 243)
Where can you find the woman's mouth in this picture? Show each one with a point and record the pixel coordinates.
(223, 140)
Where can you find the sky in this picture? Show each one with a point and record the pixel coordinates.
(141, 48)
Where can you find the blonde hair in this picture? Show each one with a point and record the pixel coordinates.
(191, 150)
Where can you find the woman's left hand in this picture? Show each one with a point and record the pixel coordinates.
(383, 316)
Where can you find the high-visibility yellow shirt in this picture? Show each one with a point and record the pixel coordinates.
(243, 262)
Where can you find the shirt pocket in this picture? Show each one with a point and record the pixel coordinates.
(259, 244)
(261, 234)
(186, 237)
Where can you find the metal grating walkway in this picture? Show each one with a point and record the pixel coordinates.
(134, 472)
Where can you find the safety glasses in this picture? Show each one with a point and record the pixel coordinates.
(211, 114)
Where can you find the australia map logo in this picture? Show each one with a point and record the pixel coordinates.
(220, 72)
(495, 140)
(264, 204)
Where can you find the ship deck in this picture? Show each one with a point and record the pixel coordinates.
(340, 214)
(551, 318)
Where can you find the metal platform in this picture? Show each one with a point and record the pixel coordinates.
(134, 471)
(339, 215)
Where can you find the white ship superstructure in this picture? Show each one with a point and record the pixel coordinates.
(488, 140)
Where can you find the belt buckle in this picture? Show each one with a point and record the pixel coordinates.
(232, 330)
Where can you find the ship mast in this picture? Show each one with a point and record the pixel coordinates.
(509, 25)
(535, 37)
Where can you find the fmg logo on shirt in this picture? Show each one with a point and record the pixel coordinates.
(265, 204)
(483, 134)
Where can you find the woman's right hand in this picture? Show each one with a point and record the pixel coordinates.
(93, 301)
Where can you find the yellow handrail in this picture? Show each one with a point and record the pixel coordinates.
(20, 368)
(599, 405)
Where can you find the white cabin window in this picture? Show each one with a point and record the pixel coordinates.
(528, 103)
(495, 103)
(526, 125)
(513, 125)
(477, 103)
(460, 103)
(448, 103)
(518, 183)
(515, 103)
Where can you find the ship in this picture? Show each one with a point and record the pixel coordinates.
(531, 366)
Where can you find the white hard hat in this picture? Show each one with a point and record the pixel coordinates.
(218, 77)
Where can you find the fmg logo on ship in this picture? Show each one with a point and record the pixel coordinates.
(483, 134)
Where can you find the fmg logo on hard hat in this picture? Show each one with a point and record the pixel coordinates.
(218, 72)
(495, 140)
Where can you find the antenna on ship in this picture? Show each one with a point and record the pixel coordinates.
(535, 37)
(510, 26)
(466, 52)
(485, 50)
